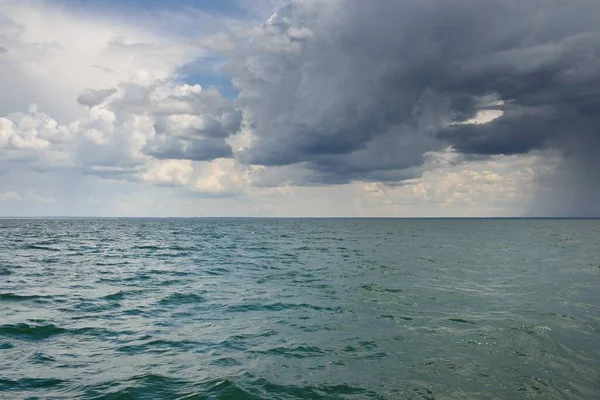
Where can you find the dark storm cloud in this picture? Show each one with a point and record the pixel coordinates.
(213, 125)
(504, 136)
(92, 98)
(205, 149)
(356, 88)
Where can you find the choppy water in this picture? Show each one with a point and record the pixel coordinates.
(300, 309)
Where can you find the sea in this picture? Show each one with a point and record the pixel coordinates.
(299, 309)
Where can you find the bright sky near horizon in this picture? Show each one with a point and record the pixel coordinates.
(299, 108)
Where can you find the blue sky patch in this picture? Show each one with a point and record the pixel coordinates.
(206, 71)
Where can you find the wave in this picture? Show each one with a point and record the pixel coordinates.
(19, 297)
(170, 272)
(31, 332)
(41, 358)
(40, 247)
(461, 321)
(291, 352)
(245, 387)
(264, 389)
(158, 346)
(160, 386)
(377, 288)
(280, 307)
(29, 383)
(182, 248)
(395, 317)
(532, 329)
(313, 248)
(217, 271)
(120, 295)
(243, 341)
(147, 247)
(182, 298)
(43, 331)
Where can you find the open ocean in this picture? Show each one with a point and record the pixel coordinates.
(299, 309)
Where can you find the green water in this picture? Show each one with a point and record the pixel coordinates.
(299, 309)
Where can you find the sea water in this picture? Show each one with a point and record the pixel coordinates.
(299, 309)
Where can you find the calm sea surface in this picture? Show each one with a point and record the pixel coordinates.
(299, 309)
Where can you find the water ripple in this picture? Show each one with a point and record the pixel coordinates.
(299, 309)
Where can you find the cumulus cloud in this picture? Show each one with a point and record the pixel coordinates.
(92, 98)
(137, 124)
(30, 136)
(498, 185)
(169, 148)
(168, 172)
(171, 121)
(153, 119)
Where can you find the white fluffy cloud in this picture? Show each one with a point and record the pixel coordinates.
(168, 172)
(30, 131)
(499, 186)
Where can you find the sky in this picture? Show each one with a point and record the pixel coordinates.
(300, 108)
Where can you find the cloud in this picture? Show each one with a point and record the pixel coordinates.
(12, 195)
(497, 186)
(357, 90)
(169, 172)
(121, 137)
(219, 41)
(21, 133)
(348, 93)
(139, 125)
(92, 98)
(330, 101)
(155, 119)
(223, 177)
(194, 149)
(29, 196)
(52, 56)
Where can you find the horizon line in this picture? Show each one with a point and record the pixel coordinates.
(288, 217)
